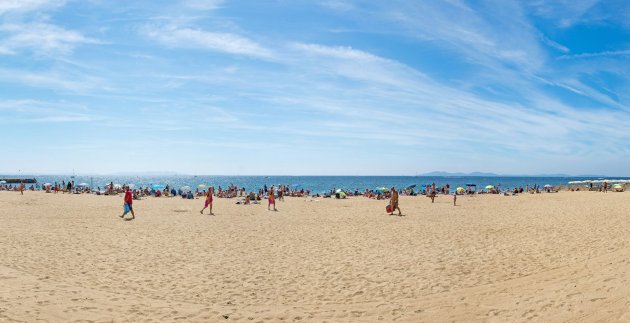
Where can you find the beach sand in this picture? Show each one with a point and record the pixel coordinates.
(545, 257)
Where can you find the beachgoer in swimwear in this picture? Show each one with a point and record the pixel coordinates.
(128, 204)
(208, 203)
(272, 200)
(393, 202)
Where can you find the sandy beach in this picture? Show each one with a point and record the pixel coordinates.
(543, 257)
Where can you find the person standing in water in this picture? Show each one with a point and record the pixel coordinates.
(393, 202)
(272, 200)
(128, 204)
(208, 203)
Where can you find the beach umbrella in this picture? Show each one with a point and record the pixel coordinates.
(201, 186)
(3, 182)
(460, 189)
(411, 187)
(342, 195)
(185, 189)
(157, 187)
(46, 184)
(489, 187)
(338, 191)
(117, 186)
(83, 185)
(547, 186)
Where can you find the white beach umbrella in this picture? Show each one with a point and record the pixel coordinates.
(185, 189)
(46, 184)
(117, 186)
(547, 186)
(3, 182)
(83, 185)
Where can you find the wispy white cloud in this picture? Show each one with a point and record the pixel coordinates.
(183, 37)
(204, 4)
(41, 38)
(21, 6)
(36, 111)
(612, 53)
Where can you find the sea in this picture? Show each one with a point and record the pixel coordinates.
(316, 184)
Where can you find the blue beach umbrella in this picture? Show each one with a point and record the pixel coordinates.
(157, 187)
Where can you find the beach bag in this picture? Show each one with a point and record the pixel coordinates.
(388, 209)
(126, 208)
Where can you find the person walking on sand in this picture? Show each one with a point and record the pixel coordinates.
(208, 203)
(128, 204)
(455, 199)
(393, 202)
(272, 200)
(22, 188)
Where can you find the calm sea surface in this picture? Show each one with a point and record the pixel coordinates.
(316, 184)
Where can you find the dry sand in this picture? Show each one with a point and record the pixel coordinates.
(545, 257)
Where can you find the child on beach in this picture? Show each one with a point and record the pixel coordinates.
(455, 199)
(208, 203)
(128, 204)
(272, 200)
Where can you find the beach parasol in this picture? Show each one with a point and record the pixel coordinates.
(201, 186)
(3, 182)
(157, 187)
(185, 189)
(46, 184)
(382, 189)
(547, 186)
(117, 186)
(83, 185)
(489, 187)
(460, 189)
(338, 190)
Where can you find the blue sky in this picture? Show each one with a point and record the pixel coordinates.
(315, 87)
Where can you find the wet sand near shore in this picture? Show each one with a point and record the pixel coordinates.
(544, 257)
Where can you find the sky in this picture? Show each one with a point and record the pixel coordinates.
(329, 87)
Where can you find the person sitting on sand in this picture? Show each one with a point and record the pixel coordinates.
(393, 202)
(128, 204)
(272, 200)
(208, 203)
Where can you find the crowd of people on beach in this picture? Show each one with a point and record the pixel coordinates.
(277, 193)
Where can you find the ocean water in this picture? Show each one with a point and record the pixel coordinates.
(316, 184)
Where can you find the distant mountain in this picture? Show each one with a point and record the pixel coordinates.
(482, 174)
